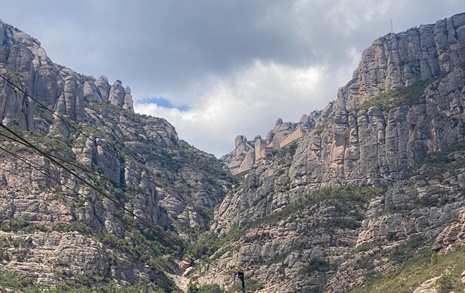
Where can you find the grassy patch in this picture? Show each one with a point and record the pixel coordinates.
(315, 265)
(409, 95)
(436, 164)
(341, 194)
(419, 269)
(14, 282)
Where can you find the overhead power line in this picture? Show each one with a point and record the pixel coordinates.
(60, 162)
(154, 228)
(86, 182)
(94, 140)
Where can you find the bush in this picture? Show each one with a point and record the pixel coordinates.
(449, 283)
(388, 100)
(316, 265)
(206, 288)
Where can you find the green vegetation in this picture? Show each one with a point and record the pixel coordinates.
(15, 78)
(316, 265)
(422, 267)
(17, 282)
(14, 282)
(435, 165)
(251, 286)
(288, 149)
(341, 194)
(206, 288)
(14, 225)
(449, 283)
(399, 254)
(209, 243)
(408, 95)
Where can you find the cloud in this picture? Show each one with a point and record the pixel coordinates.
(247, 103)
(227, 67)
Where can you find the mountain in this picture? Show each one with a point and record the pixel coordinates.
(109, 199)
(366, 195)
(370, 196)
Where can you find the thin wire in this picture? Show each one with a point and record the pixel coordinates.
(23, 176)
(89, 184)
(44, 173)
(52, 159)
(75, 192)
(56, 115)
(92, 186)
(85, 169)
(83, 134)
(117, 156)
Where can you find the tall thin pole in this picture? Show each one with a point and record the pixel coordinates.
(240, 274)
(392, 28)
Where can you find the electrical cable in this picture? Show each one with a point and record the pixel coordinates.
(84, 181)
(124, 187)
(94, 140)
(55, 160)
(115, 155)
(92, 186)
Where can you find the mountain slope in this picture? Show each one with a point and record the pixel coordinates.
(142, 193)
(367, 187)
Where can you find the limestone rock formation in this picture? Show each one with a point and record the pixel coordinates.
(243, 157)
(369, 192)
(147, 191)
(398, 125)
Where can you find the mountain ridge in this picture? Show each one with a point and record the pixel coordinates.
(371, 187)
(142, 193)
(403, 105)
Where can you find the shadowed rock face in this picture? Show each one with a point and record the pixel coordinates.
(404, 103)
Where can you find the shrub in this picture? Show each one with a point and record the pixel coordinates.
(316, 265)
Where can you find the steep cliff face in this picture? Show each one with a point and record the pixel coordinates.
(404, 106)
(62, 232)
(372, 191)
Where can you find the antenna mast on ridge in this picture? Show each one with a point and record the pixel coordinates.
(392, 30)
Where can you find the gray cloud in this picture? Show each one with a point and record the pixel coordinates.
(237, 64)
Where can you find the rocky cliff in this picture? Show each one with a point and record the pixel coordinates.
(369, 199)
(147, 192)
(376, 180)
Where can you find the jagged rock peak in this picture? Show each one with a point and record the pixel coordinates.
(410, 142)
(121, 96)
(402, 59)
(23, 55)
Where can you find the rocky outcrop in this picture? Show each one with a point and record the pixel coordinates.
(398, 60)
(404, 108)
(243, 157)
(376, 179)
(66, 232)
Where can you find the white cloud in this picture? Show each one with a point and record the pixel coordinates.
(248, 103)
(238, 64)
(348, 15)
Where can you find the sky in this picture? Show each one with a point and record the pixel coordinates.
(216, 69)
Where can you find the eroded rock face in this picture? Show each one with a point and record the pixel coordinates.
(243, 157)
(404, 103)
(403, 59)
(68, 231)
(360, 193)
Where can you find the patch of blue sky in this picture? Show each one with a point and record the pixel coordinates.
(162, 102)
